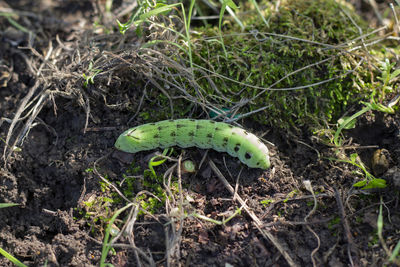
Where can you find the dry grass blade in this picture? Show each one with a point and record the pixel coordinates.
(17, 116)
(106, 181)
(128, 228)
(175, 211)
(308, 186)
(351, 248)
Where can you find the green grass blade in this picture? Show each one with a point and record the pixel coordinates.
(13, 22)
(162, 9)
(395, 252)
(259, 12)
(347, 121)
(379, 222)
(7, 205)
(106, 244)
(11, 258)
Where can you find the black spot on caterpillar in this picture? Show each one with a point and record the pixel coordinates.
(247, 155)
(200, 133)
(237, 147)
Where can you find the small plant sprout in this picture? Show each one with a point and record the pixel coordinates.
(107, 242)
(154, 162)
(90, 77)
(188, 166)
(14, 148)
(369, 181)
(267, 202)
(388, 77)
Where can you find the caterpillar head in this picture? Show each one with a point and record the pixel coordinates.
(256, 159)
(248, 148)
(130, 141)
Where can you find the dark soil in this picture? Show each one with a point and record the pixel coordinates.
(50, 181)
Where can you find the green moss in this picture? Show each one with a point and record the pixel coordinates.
(97, 210)
(257, 58)
(135, 180)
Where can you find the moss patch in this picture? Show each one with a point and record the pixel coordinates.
(297, 49)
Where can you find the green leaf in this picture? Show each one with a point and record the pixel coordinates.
(376, 183)
(123, 27)
(340, 128)
(347, 123)
(230, 3)
(379, 107)
(353, 157)
(360, 183)
(153, 162)
(162, 9)
(395, 74)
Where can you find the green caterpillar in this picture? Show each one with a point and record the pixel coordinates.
(204, 134)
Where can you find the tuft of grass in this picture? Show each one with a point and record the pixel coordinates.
(146, 12)
(349, 122)
(89, 78)
(388, 77)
